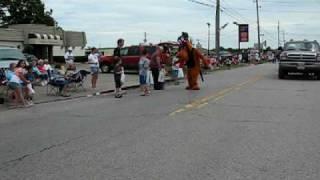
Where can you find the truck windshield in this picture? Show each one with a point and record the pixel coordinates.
(10, 54)
(301, 46)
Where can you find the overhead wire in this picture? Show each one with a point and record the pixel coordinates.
(235, 15)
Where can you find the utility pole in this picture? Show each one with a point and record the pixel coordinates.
(218, 30)
(258, 21)
(208, 39)
(284, 37)
(145, 37)
(279, 44)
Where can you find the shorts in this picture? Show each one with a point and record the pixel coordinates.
(14, 86)
(117, 80)
(143, 79)
(94, 70)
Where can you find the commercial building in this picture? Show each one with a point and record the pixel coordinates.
(43, 41)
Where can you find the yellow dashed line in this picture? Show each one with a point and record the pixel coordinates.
(218, 98)
(202, 105)
(177, 111)
(215, 96)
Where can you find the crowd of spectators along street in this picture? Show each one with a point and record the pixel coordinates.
(22, 78)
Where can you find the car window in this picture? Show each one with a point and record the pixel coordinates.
(134, 51)
(10, 54)
(151, 49)
(301, 46)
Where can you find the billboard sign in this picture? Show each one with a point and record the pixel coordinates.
(243, 32)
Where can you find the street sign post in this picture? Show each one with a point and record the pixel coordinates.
(243, 35)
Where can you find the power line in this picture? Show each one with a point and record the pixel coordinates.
(202, 3)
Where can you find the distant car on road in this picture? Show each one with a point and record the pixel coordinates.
(130, 58)
(10, 55)
(300, 56)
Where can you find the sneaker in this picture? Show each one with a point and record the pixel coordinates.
(30, 103)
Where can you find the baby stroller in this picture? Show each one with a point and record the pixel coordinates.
(77, 79)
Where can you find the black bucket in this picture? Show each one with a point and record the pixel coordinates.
(1, 100)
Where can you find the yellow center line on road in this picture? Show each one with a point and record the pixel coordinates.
(200, 103)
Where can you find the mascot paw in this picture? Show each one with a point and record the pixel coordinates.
(196, 88)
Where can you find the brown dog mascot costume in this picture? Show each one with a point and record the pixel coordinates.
(192, 58)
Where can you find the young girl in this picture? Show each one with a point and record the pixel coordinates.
(144, 67)
(43, 71)
(30, 77)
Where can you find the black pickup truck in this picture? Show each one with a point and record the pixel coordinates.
(300, 56)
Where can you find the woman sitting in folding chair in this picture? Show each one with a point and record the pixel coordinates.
(15, 83)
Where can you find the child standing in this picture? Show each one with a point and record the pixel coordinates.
(118, 68)
(30, 77)
(144, 67)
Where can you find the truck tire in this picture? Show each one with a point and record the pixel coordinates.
(317, 75)
(105, 68)
(281, 74)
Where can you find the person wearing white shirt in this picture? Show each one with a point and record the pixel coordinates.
(93, 60)
(69, 58)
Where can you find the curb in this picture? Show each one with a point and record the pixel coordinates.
(135, 86)
(87, 95)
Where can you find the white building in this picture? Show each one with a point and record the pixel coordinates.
(45, 41)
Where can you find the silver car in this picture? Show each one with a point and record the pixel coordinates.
(10, 55)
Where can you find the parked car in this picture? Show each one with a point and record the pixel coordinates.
(300, 56)
(10, 55)
(30, 57)
(130, 58)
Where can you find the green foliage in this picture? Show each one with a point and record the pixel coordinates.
(28, 49)
(24, 12)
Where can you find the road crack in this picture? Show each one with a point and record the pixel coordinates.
(20, 159)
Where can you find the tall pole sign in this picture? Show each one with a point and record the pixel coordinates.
(243, 33)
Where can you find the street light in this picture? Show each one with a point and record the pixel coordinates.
(224, 26)
(208, 38)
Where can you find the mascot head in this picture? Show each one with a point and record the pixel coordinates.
(185, 46)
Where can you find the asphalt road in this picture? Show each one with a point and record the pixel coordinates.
(244, 124)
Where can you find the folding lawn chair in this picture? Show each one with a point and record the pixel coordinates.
(55, 82)
(77, 79)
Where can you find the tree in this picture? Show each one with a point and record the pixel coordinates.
(24, 12)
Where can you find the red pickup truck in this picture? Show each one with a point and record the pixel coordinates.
(130, 58)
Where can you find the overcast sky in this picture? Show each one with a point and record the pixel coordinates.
(105, 21)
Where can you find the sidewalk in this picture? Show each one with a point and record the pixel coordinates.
(105, 84)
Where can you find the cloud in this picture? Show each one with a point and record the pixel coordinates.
(105, 21)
